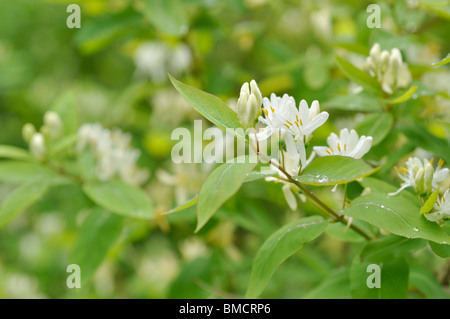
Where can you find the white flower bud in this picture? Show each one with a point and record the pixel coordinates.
(249, 104)
(375, 53)
(428, 178)
(418, 180)
(395, 61)
(37, 146)
(314, 110)
(384, 60)
(53, 123)
(28, 131)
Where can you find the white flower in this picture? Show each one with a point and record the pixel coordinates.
(113, 153)
(37, 146)
(28, 131)
(441, 208)
(155, 59)
(281, 113)
(53, 124)
(421, 175)
(347, 144)
(249, 104)
(293, 161)
(388, 68)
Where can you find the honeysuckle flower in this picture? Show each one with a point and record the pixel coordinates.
(347, 144)
(421, 175)
(37, 146)
(273, 110)
(113, 153)
(293, 162)
(441, 208)
(281, 113)
(249, 104)
(388, 68)
(303, 121)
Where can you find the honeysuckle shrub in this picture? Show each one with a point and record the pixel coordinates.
(343, 169)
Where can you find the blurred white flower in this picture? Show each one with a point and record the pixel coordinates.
(421, 175)
(155, 59)
(347, 144)
(53, 124)
(28, 131)
(192, 248)
(388, 68)
(22, 286)
(37, 146)
(169, 99)
(113, 153)
(441, 208)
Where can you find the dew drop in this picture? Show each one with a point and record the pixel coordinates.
(416, 229)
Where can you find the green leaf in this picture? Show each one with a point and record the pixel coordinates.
(397, 215)
(394, 278)
(379, 186)
(166, 15)
(12, 152)
(120, 198)
(404, 96)
(257, 175)
(357, 75)
(442, 250)
(335, 286)
(424, 139)
(99, 32)
(182, 207)
(361, 102)
(21, 172)
(66, 107)
(98, 233)
(63, 144)
(347, 234)
(376, 125)
(390, 247)
(209, 106)
(278, 247)
(331, 170)
(423, 280)
(220, 185)
(21, 198)
(428, 206)
(443, 61)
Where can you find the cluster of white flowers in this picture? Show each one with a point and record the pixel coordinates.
(113, 152)
(388, 68)
(38, 141)
(295, 126)
(155, 59)
(425, 179)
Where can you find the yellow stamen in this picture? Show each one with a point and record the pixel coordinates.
(432, 161)
(441, 162)
(285, 125)
(265, 112)
(443, 199)
(345, 147)
(339, 147)
(328, 152)
(301, 123)
(296, 116)
(403, 170)
(331, 149)
(289, 123)
(273, 111)
(396, 170)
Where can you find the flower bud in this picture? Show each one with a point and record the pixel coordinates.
(249, 104)
(428, 178)
(375, 53)
(418, 180)
(37, 146)
(27, 132)
(384, 60)
(53, 123)
(395, 61)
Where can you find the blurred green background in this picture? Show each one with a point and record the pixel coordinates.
(115, 67)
